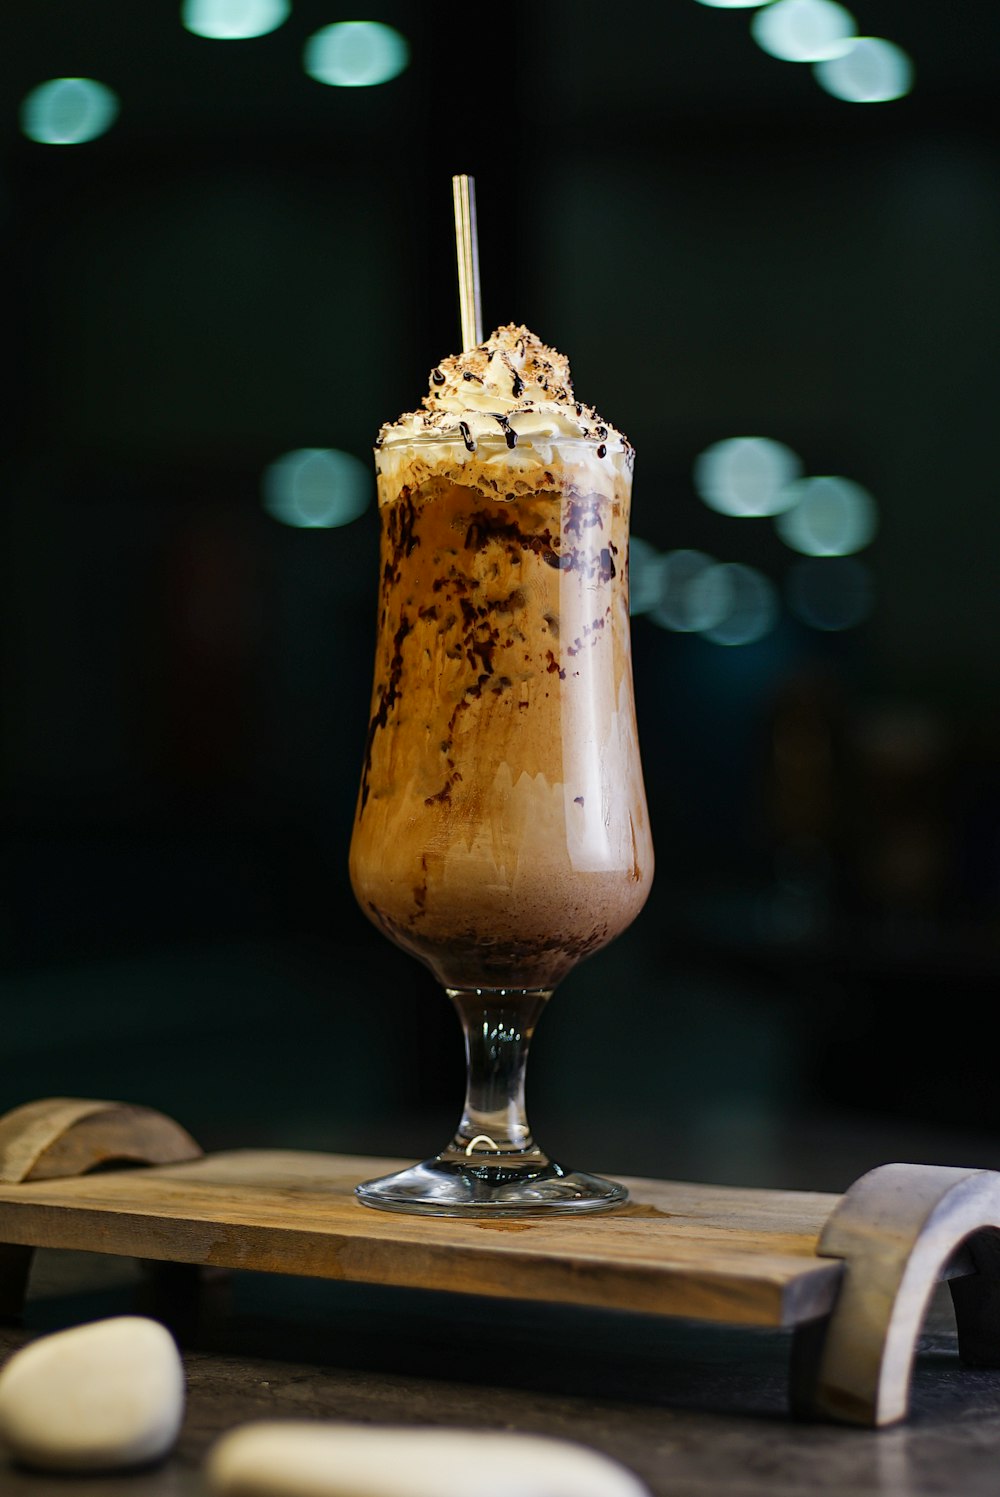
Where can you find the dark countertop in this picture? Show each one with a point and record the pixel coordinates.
(695, 1410)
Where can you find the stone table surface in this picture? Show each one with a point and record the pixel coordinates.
(695, 1410)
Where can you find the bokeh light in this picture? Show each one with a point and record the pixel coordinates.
(68, 111)
(234, 20)
(355, 54)
(830, 593)
(746, 476)
(828, 517)
(869, 71)
(732, 4)
(747, 603)
(803, 30)
(316, 487)
(680, 605)
(643, 575)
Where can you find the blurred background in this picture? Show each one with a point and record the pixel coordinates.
(768, 238)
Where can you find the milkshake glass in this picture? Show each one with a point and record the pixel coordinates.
(501, 832)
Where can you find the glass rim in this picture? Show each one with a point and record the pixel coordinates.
(497, 439)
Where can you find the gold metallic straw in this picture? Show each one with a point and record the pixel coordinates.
(464, 189)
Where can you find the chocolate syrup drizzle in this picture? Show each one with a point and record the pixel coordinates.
(483, 625)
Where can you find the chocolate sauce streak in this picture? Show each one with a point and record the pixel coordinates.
(488, 527)
(583, 514)
(510, 435)
(483, 624)
(402, 522)
(442, 796)
(388, 697)
(420, 890)
(554, 666)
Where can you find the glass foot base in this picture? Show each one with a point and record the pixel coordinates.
(448, 1186)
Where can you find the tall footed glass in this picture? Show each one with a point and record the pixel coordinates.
(501, 832)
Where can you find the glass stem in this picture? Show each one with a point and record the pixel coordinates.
(498, 1024)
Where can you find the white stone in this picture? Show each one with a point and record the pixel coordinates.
(296, 1458)
(97, 1397)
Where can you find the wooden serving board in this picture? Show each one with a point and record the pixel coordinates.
(743, 1256)
(852, 1274)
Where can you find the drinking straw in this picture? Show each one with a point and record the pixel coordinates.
(464, 189)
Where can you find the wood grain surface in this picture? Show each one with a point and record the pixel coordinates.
(730, 1254)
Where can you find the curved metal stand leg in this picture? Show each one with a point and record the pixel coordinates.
(900, 1229)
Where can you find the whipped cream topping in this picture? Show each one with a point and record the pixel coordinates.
(512, 386)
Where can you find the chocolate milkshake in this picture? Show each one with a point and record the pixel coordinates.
(501, 832)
